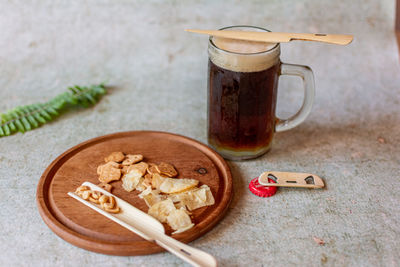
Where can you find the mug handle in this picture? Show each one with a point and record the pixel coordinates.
(307, 76)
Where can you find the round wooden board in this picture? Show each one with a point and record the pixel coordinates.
(90, 230)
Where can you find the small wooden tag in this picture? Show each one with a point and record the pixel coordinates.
(291, 179)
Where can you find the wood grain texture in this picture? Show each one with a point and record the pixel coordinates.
(397, 25)
(291, 179)
(397, 19)
(398, 41)
(87, 229)
(278, 37)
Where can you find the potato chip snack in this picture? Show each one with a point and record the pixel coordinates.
(170, 199)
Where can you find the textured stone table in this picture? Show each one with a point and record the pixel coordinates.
(159, 74)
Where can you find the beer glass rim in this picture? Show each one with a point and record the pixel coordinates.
(243, 26)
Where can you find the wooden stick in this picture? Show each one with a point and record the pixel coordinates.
(279, 37)
(148, 228)
(291, 179)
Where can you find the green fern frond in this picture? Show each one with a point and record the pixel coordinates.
(26, 118)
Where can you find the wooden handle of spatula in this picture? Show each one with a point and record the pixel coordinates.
(279, 37)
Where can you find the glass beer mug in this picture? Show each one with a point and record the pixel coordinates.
(242, 93)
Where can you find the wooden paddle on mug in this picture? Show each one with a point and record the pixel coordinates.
(279, 37)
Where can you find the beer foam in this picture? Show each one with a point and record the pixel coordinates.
(242, 46)
(243, 56)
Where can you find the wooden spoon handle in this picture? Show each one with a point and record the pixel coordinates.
(189, 254)
(279, 37)
(340, 39)
(148, 228)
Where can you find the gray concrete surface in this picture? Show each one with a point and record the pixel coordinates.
(160, 77)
